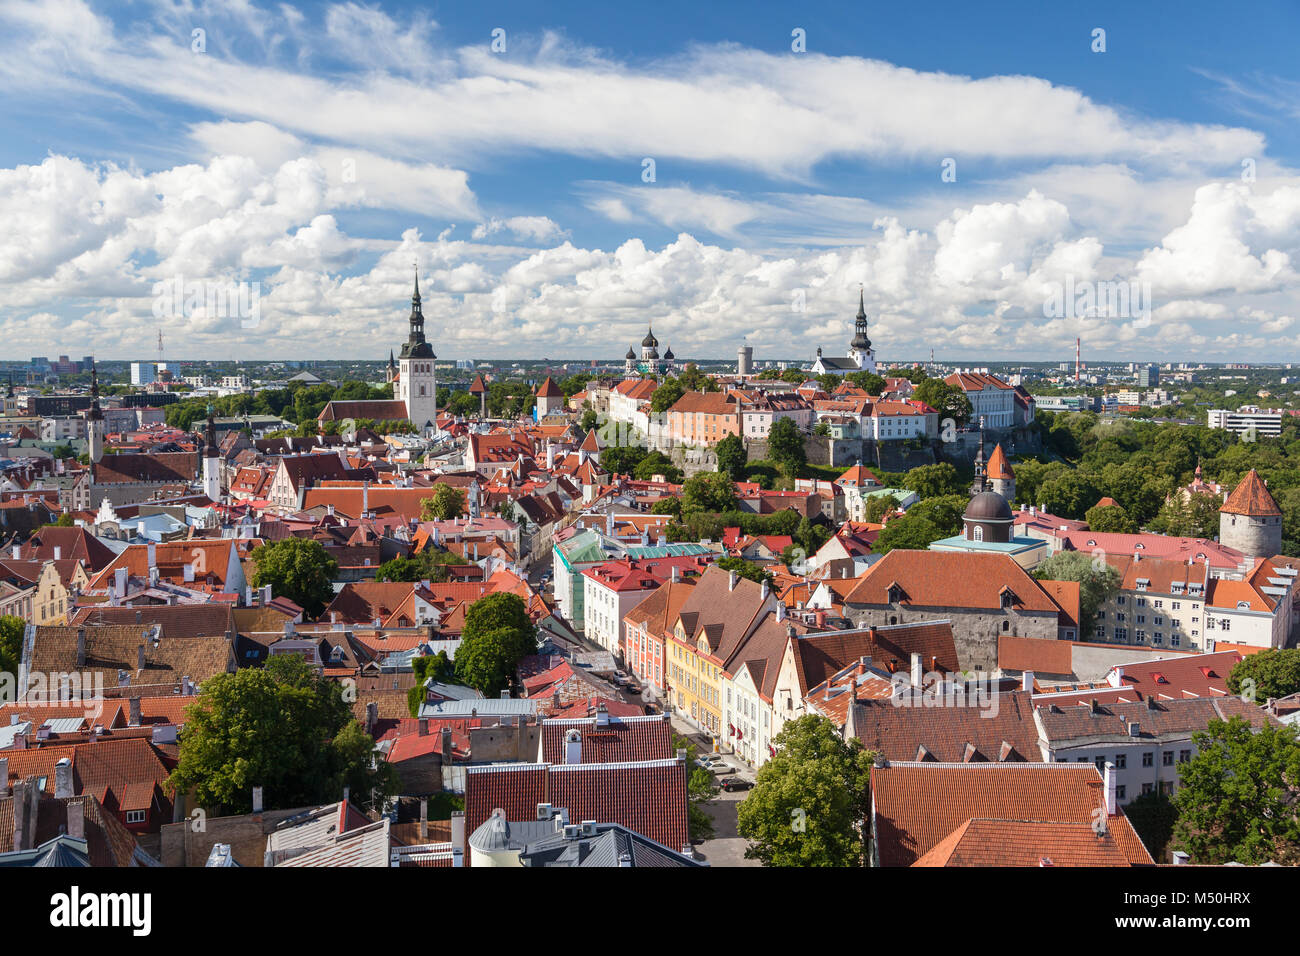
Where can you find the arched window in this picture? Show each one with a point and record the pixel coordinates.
(978, 533)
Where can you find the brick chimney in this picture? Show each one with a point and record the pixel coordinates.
(76, 810)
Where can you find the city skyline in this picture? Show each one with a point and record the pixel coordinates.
(961, 168)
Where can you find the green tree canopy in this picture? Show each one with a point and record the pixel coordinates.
(810, 800)
(666, 395)
(1268, 673)
(497, 633)
(785, 446)
(909, 534)
(299, 569)
(1110, 519)
(446, 503)
(283, 728)
(869, 382)
(1238, 796)
(746, 569)
(708, 491)
(12, 629)
(732, 457)
(1098, 581)
(933, 481)
(948, 400)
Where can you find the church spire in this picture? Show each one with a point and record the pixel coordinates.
(860, 341)
(96, 413)
(416, 346)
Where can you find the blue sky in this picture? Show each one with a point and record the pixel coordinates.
(321, 151)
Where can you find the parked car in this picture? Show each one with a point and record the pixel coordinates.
(704, 763)
(737, 783)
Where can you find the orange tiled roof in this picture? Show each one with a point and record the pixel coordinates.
(1251, 498)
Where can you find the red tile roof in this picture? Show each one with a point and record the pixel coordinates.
(1025, 843)
(918, 805)
(618, 741)
(1252, 498)
(950, 579)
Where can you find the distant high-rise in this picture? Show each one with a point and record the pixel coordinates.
(1148, 376)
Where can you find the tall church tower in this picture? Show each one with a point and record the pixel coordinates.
(94, 417)
(211, 461)
(417, 383)
(860, 349)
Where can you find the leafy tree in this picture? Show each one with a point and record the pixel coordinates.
(869, 382)
(948, 400)
(497, 633)
(907, 533)
(622, 459)
(708, 491)
(1238, 796)
(65, 520)
(1069, 495)
(732, 457)
(933, 481)
(793, 376)
(657, 463)
(944, 512)
(12, 629)
(1192, 516)
(700, 789)
(667, 506)
(438, 667)
(810, 800)
(1274, 673)
(785, 446)
(666, 395)
(447, 502)
(281, 727)
(877, 506)
(299, 569)
(746, 569)
(1030, 476)
(1153, 815)
(1098, 581)
(693, 380)
(1110, 518)
(589, 419)
(487, 661)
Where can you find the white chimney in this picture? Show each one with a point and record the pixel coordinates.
(257, 799)
(119, 582)
(153, 554)
(58, 552)
(916, 671)
(16, 552)
(1110, 789)
(573, 747)
(675, 574)
(731, 580)
(63, 778)
(187, 572)
(1027, 681)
